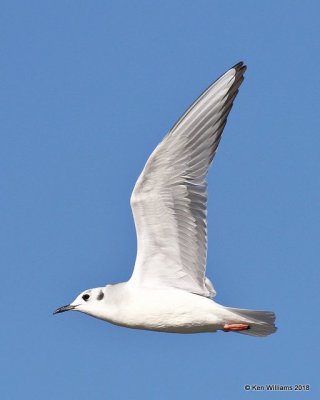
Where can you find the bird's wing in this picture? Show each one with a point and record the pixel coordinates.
(169, 201)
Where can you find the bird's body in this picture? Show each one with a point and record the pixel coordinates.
(168, 290)
(168, 310)
(165, 310)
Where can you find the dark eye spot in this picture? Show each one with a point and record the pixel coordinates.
(100, 295)
(86, 297)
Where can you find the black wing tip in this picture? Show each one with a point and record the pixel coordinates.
(240, 67)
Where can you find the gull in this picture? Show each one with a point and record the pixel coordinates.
(168, 290)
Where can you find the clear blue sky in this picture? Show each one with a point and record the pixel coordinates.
(88, 89)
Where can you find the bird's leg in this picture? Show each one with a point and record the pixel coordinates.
(235, 327)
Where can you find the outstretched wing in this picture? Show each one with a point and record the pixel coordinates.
(169, 201)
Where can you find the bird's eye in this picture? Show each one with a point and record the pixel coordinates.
(85, 297)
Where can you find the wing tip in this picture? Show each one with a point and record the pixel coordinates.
(240, 67)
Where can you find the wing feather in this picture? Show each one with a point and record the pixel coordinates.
(169, 201)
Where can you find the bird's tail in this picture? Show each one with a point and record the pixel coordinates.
(261, 323)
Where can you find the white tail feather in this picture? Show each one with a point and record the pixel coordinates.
(261, 323)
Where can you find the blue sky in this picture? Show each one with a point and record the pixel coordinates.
(88, 89)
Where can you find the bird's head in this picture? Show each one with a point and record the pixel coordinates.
(88, 302)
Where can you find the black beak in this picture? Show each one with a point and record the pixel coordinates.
(64, 308)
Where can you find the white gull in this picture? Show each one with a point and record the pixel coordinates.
(168, 290)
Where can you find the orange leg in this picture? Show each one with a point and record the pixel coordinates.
(235, 327)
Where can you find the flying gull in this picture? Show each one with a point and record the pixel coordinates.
(168, 290)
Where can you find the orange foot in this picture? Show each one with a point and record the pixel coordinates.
(235, 327)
